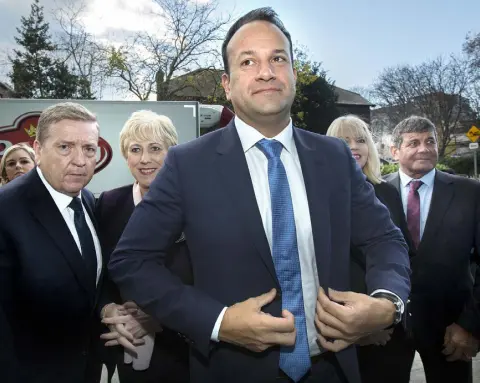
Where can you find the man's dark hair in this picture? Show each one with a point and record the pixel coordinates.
(261, 14)
(412, 124)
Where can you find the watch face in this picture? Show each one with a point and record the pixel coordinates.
(398, 312)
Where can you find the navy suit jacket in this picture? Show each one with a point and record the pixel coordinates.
(45, 294)
(205, 190)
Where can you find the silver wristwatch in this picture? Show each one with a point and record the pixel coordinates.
(398, 306)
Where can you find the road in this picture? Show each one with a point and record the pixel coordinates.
(417, 375)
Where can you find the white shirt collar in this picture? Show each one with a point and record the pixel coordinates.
(61, 200)
(427, 179)
(249, 136)
(137, 194)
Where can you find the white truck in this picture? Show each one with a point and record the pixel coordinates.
(19, 117)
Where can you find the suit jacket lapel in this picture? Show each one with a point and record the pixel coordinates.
(89, 203)
(312, 162)
(441, 198)
(43, 208)
(395, 181)
(233, 168)
(128, 206)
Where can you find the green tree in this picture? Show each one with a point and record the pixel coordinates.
(36, 71)
(30, 66)
(64, 84)
(314, 107)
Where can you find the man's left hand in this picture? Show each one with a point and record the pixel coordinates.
(346, 317)
(459, 344)
(116, 318)
(141, 323)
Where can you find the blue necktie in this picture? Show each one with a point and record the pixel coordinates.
(294, 361)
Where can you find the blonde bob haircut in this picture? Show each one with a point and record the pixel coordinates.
(145, 125)
(10, 150)
(354, 127)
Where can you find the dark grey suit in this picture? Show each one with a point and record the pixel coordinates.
(443, 290)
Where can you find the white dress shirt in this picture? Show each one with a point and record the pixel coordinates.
(62, 201)
(258, 167)
(425, 193)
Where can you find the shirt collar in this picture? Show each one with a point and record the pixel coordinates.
(249, 136)
(137, 194)
(61, 200)
(427, 179)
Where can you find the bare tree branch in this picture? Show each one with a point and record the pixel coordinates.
(187, 41)
(436, 89)
(81, 49)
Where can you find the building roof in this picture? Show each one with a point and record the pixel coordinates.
(205, 83)
(4, 86)
(347, 97)
(199, 83)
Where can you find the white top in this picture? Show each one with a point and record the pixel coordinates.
(425, 193)
(258, 167)
(62, 201)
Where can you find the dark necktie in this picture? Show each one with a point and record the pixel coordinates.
(294, 361)
(87, 245)
(413, 211)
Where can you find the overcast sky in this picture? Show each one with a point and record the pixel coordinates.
(355, 39)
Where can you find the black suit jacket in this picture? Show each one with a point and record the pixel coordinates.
(388, 195)
(44, 286)
(8, 361)
(443, 290)
(205, 190)
(113, 210)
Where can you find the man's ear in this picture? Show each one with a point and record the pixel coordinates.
(394, 152)
(37, 147)
(226, 85)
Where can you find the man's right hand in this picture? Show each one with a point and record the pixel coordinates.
(245, 324)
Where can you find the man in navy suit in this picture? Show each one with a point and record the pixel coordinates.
(50, 257)
(269, 212)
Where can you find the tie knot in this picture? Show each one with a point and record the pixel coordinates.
(271, 148)
(76, 205)
(415, 185)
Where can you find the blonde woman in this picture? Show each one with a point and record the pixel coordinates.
(144, 142)
(17, 160)
(378, 353)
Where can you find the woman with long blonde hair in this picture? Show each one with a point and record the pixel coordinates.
(377, 358)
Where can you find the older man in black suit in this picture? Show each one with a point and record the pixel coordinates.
(50, 257)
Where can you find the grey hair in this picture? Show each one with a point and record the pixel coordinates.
(59, 112)
(145, 125)
(412, 124)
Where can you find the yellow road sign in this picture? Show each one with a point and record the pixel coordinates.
(473, 133)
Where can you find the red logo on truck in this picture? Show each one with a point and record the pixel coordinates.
(24, 129)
